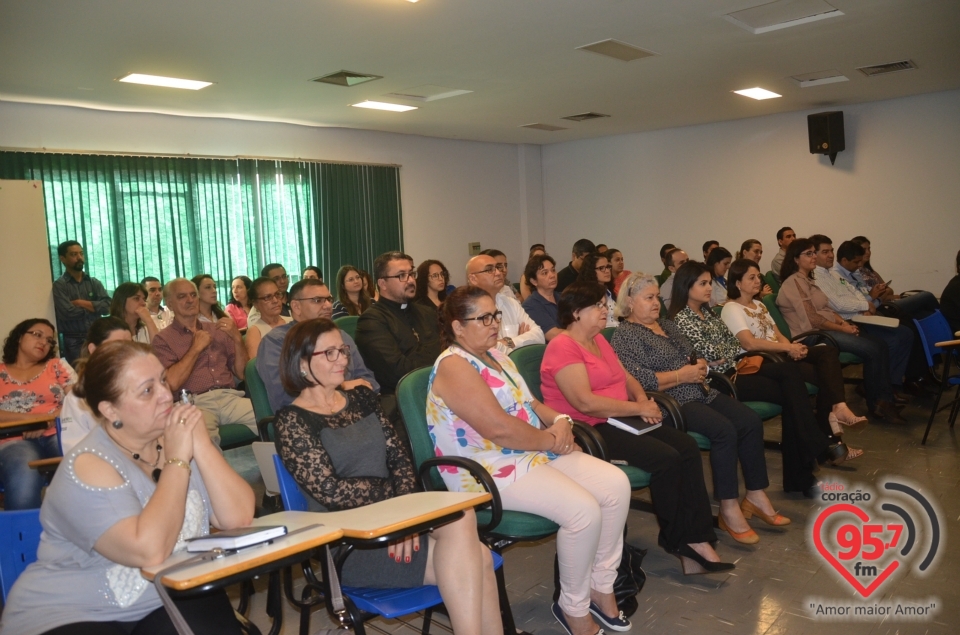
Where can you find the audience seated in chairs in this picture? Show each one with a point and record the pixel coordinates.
(397, 335)
(718, 262)
(597, 268)
(540, 274)
(352, 295)
(342, 449)
(210, 309)
(128, 496)
(568, 274)
(659, 356)
(240, 303)
(432, 281)
(950, 299)
(76, 418)
(785, 236)
(582, 377)
(853, 263)
(264, 295)
(675, 259)
(309, 299)
(204, 359)
(33, 381)
(806, 308)
(129, 303)
(479, 407)
(525, 290)
(517, 329)
(756, 378)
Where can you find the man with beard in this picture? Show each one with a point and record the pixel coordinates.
(79, 299)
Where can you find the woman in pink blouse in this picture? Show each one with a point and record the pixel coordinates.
(32, 382)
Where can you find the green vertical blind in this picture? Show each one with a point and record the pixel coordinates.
(169, 217)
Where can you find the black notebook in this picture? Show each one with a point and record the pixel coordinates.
(236, 538)
(633, 425)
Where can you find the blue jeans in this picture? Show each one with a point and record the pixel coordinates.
(918, 305)
(876, 363)
(899, 343)
(21, 483)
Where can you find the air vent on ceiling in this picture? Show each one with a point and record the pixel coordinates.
(346, 78)
(617, 50)
(585, 116)
(782, 14)
(542, 126)
(883, 69)
(819, 78)
(428, 92)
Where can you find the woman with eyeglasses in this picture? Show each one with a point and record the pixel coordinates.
(597, 268)
(480, 408)
(583, 378)
(718, 262)
(432, 281)
(129, 303)
(32, 382)
(352, 295)
(265, 295)
(806, 308)
(342, 449)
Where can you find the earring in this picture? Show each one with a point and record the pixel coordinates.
(303, 374)
(117, 424)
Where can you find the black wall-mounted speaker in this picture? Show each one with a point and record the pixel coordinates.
(826, 133)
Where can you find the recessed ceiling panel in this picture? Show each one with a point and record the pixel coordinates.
(782, 14)
(617, 50)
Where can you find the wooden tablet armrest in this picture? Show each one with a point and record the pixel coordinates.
(949, 344)
(40, 464)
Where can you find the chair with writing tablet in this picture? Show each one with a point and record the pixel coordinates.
(937, 340)
(19, 538)
(360, 603)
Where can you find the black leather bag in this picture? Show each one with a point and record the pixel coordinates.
(629, 582)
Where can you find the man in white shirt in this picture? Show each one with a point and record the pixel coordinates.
(516, 328)
(674, 259)
(160, 314)
(501, 259)
(848, 301)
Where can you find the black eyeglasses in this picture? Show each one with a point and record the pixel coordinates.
(320, 299)
(272, 296)
(500, 268)
(403, 276)
(41, 336)
(604, 268)
(333, 354)
(487, 318)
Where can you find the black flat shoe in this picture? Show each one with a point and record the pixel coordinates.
(888, 412)
(693, 563)
(834, 454)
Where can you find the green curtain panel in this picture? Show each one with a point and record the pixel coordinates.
(168, 217)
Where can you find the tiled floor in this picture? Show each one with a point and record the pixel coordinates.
(770, 589)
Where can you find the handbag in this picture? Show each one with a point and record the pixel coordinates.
(628, 584)
(749, 365)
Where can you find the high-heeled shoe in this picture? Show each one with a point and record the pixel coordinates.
(693, 563)
(748, 537)
(749, 510)
(834, 419)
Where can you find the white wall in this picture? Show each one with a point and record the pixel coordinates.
(454, 192)
(897, 182)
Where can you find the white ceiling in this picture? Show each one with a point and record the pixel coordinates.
(517, 56)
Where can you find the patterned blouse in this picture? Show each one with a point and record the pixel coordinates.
(710, 337)
(644, 354)
(300, 443)
(44, 394)
(453, 436)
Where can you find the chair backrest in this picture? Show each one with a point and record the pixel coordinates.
(608, 332)
(19, 538)
(771, 280)
(663, 309)
(263, 452)
(528, 360)
(293, 499)
(770, 301)
(718, 309)
(412, 401)
(258, 391)
(348, 323)
(932, 329)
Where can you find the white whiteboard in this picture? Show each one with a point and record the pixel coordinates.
(26, 283)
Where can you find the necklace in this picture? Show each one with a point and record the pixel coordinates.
(155, 473)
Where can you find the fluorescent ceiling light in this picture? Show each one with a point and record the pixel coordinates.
(166, 82)
(757, 93)
(381, 105)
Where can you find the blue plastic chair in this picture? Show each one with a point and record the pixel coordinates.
(933, 329)
(19, 539)
(389, 603)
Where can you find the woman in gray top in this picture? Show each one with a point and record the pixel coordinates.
(127, 496)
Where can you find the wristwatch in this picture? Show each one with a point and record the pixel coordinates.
(509, 342)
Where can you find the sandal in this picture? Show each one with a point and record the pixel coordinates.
(847, 422)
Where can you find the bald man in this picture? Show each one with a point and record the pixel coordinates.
(516, 328)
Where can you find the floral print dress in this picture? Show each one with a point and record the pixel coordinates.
(452, 435)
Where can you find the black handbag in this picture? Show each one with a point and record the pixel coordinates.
(629, 582)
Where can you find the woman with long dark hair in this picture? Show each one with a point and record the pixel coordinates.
(240, 303)
(718, 261)
(597, 268)
(129, 303)
(352, 296)
(432, 281)
(210, 309)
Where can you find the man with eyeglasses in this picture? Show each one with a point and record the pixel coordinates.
(397, 335)
(517, 329)
(276, 272)
(205, 359)
(501, 259)
(309, 299)
(77, 298)
(568, 274)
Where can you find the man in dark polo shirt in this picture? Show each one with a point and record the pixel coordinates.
(204, 358)
(541, 305)
(78, 299)
(396, 335)
(569, 273)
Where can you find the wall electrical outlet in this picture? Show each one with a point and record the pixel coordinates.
(473, 249)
